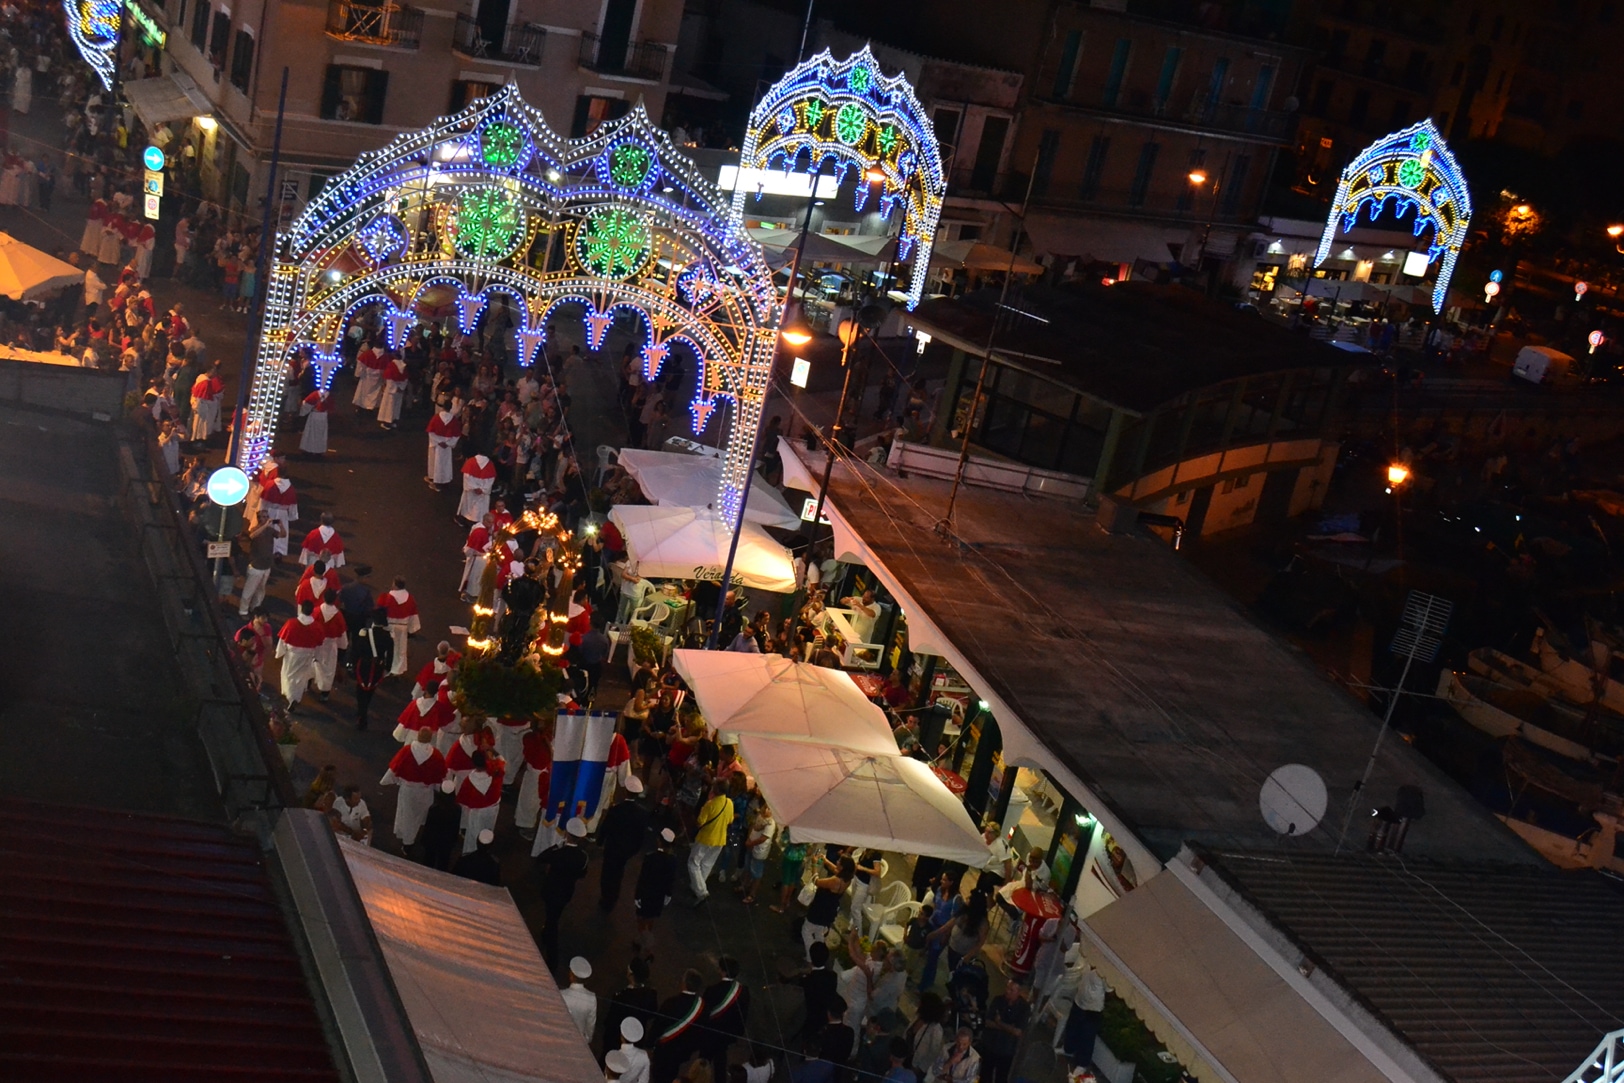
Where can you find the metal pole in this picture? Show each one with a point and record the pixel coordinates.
(806, 30)
(836, 431)
(945, 523)
(262, 280)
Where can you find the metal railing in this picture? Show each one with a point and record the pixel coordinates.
(1199, 112)
(375, 24)
(232, 723)
(640, 60)
(519, 44)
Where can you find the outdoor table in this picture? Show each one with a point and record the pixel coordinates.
(1036, 907)
(951, 779)
(870, 685)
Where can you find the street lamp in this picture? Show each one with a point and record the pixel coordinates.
(1198, 177)
(1615, 231)
(1397, 474)
(797, 332)
(868, 318)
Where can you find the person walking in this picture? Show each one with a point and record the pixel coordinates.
(709, 837)
(537, 748)
(825, 905)
(561, 867)
(582, 1004)
(418, 769)
(727, 1007)
(637, 1004)
(683, 1016)
(1001, 1031)
(481, 866)
(656, 879)
(403, 621)
(480, 795)
(261, 559)
(623, 832)
(371, 650)
(296, 646)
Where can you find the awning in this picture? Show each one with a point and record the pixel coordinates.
(1208, 997)
(690, 543)
(479, 996)
(975, 256)
(166, 98)
(677, 480)
(1111, 242)
(824, 247)
(27, 274)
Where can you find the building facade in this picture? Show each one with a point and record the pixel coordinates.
(361, 73)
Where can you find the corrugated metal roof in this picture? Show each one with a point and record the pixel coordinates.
(1492, 972)
(139, 947)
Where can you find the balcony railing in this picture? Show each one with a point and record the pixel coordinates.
(639, 60)
(375, 24)
(519, 44)
(1198, 112)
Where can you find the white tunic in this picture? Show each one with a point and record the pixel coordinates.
(529, 807)
(314, 438)
(298, 667)
(440, 459)
(510, 746)
(205, 418)
(412, 806)
(389, 401)
(476, 497)
(368, 387)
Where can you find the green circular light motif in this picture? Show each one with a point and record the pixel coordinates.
(1411, 173)
(850, 124)
(629, 165)
(489, 224)
(814, 113)
(500, 144)
(612, 243)
(888, 139)
(1420, 141)
(859, 80)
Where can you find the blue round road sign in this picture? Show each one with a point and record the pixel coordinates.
(1496, 276)
(228, 486)
(153, 158)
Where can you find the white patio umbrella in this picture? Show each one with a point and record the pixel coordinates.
(27, 274)
(672, 479)
(692, 543)
(839, 795)
(768, 695)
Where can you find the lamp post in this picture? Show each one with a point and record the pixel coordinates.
(868, 318)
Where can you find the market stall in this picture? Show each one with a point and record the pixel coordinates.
(676, 480)
(769, 695)
(692, 543)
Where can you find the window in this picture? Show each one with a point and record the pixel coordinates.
(1360, 108)
(946, 123)
(180, 17)
(1235, 183)
(465, 92)
(1242, 481)
(1183, 496)
(1500, 83)
(1375, 53)
(1263, 88)
(1097, 151)
(1141, 176)
(1068, 64)
(1119, 71)
(354, 94)
(592, 110)
(989, 153)
(1186, 200)
(1215, 85)
(1322, 98)
(1336, 46)
(1401, 114)
(318, 182)
(200, 26)
(1170, 72)
(1458, 74)
(1499, 27)
(242, 60)
(219, 38)
(1576, 109)
(1043, 168)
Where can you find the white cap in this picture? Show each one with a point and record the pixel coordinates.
(576, 827)
(634, 785)
(617, 1062)
(580, 968)
(668, 835)
(486, 837)
(448, 786)
(631, 1029)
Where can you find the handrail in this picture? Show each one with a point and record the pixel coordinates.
(376, 24)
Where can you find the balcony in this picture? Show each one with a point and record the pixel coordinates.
(1407, 78)
(638, 60)
(519, 44)
(374, 24)
(1266, 125)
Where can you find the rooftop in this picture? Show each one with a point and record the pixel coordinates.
(1136, 674)
(1133, 345)
(1490, 973)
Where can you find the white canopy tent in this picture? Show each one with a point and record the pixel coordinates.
(27, 274)
(840, 795)
(479, 997)
(673, 479)
(692, 543)
(769, 695)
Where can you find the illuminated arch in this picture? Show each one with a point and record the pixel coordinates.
(490, 201)
(1606, 1064)
(850, 113)
(93, 26)
(1414, 168)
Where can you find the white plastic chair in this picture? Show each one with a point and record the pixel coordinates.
(607, 457)
(894, 922)
(887, 898)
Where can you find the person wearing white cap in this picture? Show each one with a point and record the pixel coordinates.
(623, 831)
(635, 1059)
(615, 1065)
(583, 1005)
(655, 881)
(561, 868)
(481, 865)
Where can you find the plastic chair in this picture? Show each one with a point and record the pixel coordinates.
(607, 457)
(887, 898)
(894, 922)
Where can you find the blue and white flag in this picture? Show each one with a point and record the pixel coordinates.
(581, 744)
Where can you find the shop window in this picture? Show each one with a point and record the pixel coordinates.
(242, 60)
(355, 94)
(1265, 277)
(1297, 264)
(592, 110)
(219, 39)
(200, 26)
(465, 92)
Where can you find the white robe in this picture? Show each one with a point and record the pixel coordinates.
(22, 89)
(440, 460)
(476, 497)
(529, 807)
(90, 242)
(473, 571)
(205, 418)
(298, 667)
(110, 248)
(510, 746)
(327, 661)
(314, 438)
(411, 809)
(389, 401)
(368, 387)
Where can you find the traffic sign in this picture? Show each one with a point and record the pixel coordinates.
(228, 486)
(1596, 338)
(149, 206)
(153, 158)
(1580, 289)
(1497, 276)
(153, 183)
(1490, 289)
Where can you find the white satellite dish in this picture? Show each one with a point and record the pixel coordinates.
(1293, 799)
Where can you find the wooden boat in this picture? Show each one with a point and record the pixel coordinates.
(1600, 676)
(1504, 711)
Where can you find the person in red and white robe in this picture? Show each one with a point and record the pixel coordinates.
(418, 769)
(444, 429)
(206, 392)
(296, 646)
(337, 638)
(429, 712)
(480, 795)
(268, 472)
(393, 396)
(474, 549)
(313, 441)
(403, 621)
(478, 475)
(507, 736)
(500, 519)
(279, 501)
(537, 749)
(459, 759)
(323, 543)
(369, 367)
(436, 670)
(619, 770)
(317, 582)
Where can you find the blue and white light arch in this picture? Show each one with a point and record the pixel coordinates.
(851, 114)
(492, 202)
(93, 26)
(1414, 169)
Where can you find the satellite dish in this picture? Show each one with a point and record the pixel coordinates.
(1293, 799)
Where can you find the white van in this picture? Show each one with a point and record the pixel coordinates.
(1541, 365)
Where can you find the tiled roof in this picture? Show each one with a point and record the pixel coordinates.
(1491, 972)
(137, 947)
